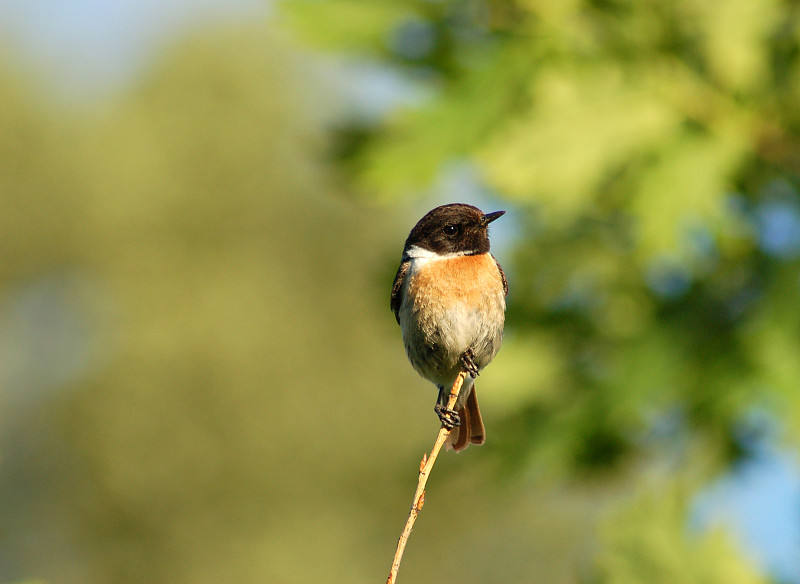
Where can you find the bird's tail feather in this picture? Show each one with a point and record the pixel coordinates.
(471, 430)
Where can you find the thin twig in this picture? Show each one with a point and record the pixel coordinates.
(425, 468)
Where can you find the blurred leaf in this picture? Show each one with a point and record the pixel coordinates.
(685, 189)
(583, 124)
(359, 25)
(649, 542)
(736, 40)
(417, 142)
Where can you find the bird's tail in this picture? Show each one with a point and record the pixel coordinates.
(471, 430)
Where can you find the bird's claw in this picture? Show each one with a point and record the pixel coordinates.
(449, 418)
(468, 363)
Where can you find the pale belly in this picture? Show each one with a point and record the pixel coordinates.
(452, 305)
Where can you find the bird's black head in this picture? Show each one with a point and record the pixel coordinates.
(452, 229)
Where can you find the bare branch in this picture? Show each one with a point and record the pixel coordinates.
(425, 468)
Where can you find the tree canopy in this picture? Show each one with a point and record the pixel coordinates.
(200, 378)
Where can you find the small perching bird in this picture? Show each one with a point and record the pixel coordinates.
(449, 299)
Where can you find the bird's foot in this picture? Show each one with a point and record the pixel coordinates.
(449, 418)
(468, 364)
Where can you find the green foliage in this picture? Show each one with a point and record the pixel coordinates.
(646, 150)
(213, 420)
(374, 21)
(621, 130)
(656, 106)
(241, 409)
(647, 542)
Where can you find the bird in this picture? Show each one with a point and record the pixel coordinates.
(449, 298)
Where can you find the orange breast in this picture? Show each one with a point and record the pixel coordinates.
(472, 279)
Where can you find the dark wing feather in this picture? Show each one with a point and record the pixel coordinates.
(502, 275)
(397, 287)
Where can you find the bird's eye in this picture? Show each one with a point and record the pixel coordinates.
(450, 230)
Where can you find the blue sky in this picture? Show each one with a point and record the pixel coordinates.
(758, 503)
(90, 45)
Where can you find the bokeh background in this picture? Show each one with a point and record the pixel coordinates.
(202, 206)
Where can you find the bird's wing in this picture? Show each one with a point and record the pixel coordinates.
(397, 287)
(502, 276)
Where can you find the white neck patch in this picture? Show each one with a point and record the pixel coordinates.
(417, 253)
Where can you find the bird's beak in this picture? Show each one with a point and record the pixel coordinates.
(489, 217)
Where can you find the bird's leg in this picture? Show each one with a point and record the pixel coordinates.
(449, 418)
(469, 364)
